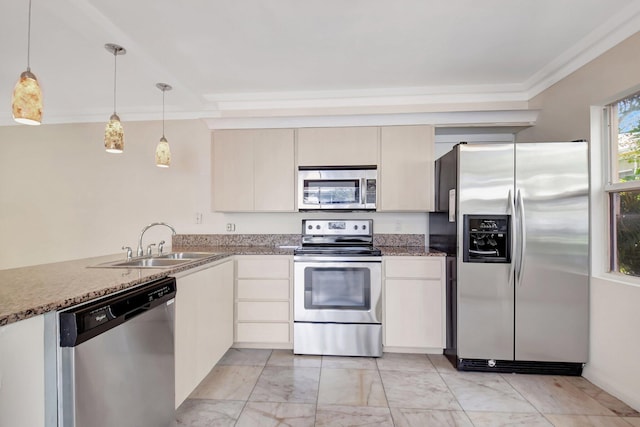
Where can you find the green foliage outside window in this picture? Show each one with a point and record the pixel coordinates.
(626, 204)
(628, 231)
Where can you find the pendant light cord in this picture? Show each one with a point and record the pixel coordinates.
(29, 39)
(163, 91)
(115, 70)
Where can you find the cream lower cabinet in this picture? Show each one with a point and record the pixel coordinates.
(414, 301)
(264, 310)
(22, 373)
(405, 176)
(203, 324)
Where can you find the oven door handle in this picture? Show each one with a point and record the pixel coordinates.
(334, 259)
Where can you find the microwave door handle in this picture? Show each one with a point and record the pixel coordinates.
(363, 192)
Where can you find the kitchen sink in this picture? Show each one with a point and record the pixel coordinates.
(172, 259)
(150, 262)
(185, 255)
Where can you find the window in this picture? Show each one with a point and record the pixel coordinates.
(624, 186)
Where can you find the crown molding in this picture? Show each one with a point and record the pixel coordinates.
(253, 103)
(450, 119)
(621, 26)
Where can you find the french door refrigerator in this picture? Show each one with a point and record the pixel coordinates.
(514, 221)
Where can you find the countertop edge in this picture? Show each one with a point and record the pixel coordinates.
(79, 270)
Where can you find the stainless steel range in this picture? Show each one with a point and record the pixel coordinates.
(337, 289)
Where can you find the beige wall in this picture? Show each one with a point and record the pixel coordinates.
(63, 197)
(570, 109)
(565, 106)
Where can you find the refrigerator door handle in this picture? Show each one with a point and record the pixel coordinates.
(523, 238)
(512, 211)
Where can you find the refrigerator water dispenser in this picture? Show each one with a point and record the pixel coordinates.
(487, 238)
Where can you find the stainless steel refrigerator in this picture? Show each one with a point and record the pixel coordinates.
(514, 221)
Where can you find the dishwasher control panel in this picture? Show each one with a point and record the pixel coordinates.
(80, 323)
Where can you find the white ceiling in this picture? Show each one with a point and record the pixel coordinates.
(243, 58)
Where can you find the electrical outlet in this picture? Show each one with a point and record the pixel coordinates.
(198, 217)
(231, 227)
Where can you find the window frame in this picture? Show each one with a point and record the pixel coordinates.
(612, 184)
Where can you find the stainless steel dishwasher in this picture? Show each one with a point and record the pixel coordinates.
(116, 359)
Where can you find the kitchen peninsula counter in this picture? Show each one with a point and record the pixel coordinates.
(30, 291)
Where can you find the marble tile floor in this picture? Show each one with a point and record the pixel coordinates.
(256, 388)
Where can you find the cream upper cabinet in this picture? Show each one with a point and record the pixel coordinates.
(405, 176)
(414, 300)
(345, 146)
(253, 170)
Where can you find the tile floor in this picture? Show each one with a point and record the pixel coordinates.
(258, 388)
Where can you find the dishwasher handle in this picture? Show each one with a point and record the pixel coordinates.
(81, 323)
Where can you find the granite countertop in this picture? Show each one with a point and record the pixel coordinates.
(409, 251)
(29, 291)
(288, 250)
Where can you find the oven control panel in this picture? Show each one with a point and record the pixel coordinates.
(332, 227)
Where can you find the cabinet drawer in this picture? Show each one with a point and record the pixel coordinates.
(263, 332)
(422, 267)
(263, 311)
(263, 268)
(275, 289)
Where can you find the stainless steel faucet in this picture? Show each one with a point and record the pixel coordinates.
(129, 251)
(140, 250)
(149, 250)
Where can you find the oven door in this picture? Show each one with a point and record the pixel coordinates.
(330, 289)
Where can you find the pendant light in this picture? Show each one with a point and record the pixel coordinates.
(26, 102)
(163, 153)
(113, 132)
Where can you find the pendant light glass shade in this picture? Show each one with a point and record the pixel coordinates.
(26, 103)
(163, 153)
(114, 132)
(27, 100)
(114, 135)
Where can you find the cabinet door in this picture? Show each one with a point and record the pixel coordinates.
(347, 146)
(232, 170)
(413, 313)
(253, 170)
(22, 373)
(203, 324)
(275, 176)
(215, 317)
(185, 340)
(406, 169)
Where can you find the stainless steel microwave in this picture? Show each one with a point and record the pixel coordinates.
(345, 188)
